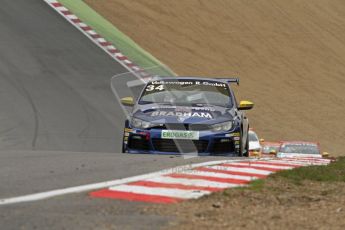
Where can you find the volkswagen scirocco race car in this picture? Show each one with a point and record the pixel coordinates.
(178, 115)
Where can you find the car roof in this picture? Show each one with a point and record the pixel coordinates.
(299, 142)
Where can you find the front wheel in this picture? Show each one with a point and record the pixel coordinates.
(244, 152)
(123, 149)
(123, 145)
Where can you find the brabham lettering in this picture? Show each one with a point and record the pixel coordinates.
(181, 114)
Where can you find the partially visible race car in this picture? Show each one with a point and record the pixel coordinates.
(175, 115)
(270, 147)
(254, 144)
(300, 149)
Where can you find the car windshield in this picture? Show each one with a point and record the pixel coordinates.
(300, 148)
(187, 92)
(253, 136)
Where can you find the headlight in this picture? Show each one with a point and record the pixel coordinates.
(140, 124)
(225, 126)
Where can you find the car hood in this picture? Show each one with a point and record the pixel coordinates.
(160, 113)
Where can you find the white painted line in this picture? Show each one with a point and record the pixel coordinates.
(168, 192)
(95, 186)
(245, 170)
(192, 182)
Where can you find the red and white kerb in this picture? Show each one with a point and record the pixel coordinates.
(200, 181)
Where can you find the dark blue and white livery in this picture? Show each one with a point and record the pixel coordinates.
(183, 115)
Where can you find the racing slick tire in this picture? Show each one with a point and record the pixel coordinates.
(244, 152)
(123, 143)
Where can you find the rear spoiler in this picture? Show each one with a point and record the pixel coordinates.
(227, 80)
(231, 80)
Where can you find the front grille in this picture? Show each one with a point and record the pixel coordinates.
(138, 142)
(186, 146)
(199, 127)
(223, 147)
(176, 126)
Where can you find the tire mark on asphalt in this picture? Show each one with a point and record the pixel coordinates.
(84, 133)
(17, 85)
(36, 119)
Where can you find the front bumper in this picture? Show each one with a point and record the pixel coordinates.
(208, 143)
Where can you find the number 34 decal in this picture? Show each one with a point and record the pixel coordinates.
(152, 87)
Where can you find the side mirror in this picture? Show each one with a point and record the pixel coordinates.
(246, 105)
(127, 101)
(325, 154)
(262, 140)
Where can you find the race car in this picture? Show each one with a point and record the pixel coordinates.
(178, 115)
(254, 144)
(270, 147)
(300, 149)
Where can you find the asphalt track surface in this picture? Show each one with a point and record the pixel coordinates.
(60, 125)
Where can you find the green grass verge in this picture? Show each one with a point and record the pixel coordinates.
(127, 46)
(255, 185)
(334, 172)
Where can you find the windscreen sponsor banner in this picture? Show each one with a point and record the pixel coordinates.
(184, 108)
(189, 82)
